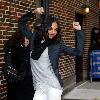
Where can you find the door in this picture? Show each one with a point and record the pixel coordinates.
(79, 17)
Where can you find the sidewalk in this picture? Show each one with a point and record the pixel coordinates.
(85, 91)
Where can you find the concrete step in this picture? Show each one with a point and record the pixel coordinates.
(84, 91)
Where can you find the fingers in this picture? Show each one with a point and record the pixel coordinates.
(40, 10)
(76, 26)
(76, 23)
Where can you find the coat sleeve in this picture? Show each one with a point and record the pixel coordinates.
(7, 51)
(22, 24)
(79, 46)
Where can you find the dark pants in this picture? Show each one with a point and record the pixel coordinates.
(21, 91)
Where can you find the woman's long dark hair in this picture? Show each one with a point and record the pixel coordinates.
(16, 38)
(44, 25)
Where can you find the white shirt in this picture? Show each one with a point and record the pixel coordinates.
(43, 75)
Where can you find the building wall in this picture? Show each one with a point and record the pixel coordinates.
(10, 12)
(64, 10)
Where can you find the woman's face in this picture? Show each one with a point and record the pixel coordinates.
(53, 30)
(26, 42)
(96, 31)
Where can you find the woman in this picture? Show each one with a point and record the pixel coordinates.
(18, 48)
(46, 46)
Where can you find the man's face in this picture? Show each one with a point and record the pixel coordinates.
(53, 30)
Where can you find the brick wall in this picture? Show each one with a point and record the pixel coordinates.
(65, 11)
(11, 10)
(91, 20)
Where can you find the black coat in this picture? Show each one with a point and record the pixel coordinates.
(24, 89)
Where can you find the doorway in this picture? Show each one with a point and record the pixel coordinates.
(79, 71)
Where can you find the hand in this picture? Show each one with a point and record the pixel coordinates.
(76, 26)
(39, 10)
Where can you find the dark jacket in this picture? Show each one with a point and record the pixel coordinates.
(22, 90)
(55, 49)
(20, 57)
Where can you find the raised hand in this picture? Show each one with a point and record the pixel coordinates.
(39, 10)
(76, 26)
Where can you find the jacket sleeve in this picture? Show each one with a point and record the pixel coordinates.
(22, 24)
(79, 47)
